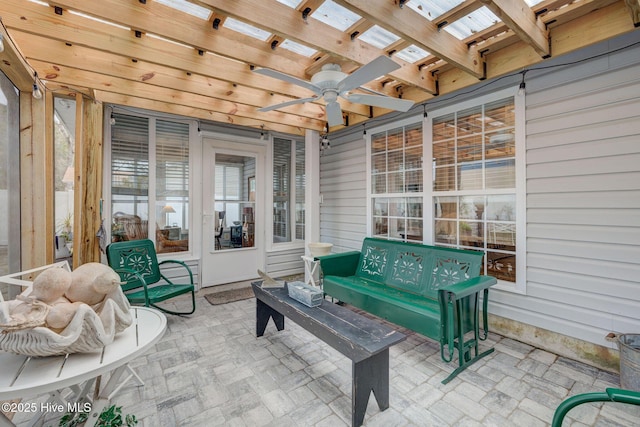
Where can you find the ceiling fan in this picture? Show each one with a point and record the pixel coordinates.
(331, 83)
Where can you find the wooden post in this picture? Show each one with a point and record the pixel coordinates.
(36, 177)
(88, 190)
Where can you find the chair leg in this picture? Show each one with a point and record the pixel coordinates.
(178, 313)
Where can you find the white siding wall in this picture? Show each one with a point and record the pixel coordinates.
(583, 201)
(343, 176)
(284, 263)
(583, 197)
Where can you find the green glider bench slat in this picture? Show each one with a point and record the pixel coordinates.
(431, 290)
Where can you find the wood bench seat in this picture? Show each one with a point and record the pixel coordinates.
(365, 341)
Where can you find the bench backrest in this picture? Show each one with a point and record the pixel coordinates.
(416, 268)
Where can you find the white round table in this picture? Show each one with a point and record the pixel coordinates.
(22, 377)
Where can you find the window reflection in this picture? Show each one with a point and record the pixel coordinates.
(473, 158)
(234, 201)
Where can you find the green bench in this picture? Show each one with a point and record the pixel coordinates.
(433, 291)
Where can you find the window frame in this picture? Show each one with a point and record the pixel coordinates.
(13, 201)
(408, 122)
(152, 193)
(293, 243)
(519, 286)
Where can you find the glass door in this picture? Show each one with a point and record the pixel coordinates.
(232, 248)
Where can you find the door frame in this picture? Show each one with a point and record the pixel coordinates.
(213, 143)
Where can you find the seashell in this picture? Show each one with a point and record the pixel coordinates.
(90, 328)
(91, 282)
(51, 284)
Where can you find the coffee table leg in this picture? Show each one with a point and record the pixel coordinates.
(263, 314)
(369, 375)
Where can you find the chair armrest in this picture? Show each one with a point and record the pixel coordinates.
(624, 396)
(470, 286)
(343, 264)
(139, 277)
(133, 272)
(173, 261)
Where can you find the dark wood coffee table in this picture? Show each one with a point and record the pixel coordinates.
(363, 340)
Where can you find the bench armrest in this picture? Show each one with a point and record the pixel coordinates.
(343, 264)
(471, 286)
(455, 300)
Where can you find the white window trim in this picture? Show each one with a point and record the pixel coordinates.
(521, 221)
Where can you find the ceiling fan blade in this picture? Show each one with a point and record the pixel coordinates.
(286, 104)
(334, 114)
(380, 101)
(378, 67)
(289, 79)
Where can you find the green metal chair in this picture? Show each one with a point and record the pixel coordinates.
(610, 395)
(137, 264)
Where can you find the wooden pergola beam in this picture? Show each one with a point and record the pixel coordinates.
(13, 64)
(458, 12)
(634, 11)
(34, 26)
(518, 16)
(66, 75)
(196, 113)
(44, 56)
(413, 27)
(156, 18)
(288, 23)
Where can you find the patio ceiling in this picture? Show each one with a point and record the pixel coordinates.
(196, 58)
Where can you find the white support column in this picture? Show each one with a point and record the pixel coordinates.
(312, 191)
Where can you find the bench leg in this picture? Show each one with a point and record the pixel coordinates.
(263, 314)
(464, 365)
(369, 375)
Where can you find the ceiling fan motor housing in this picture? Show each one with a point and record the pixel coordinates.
(328, 77)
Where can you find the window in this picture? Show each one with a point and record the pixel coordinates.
(235, 201)
(288, 190)
(64, 122)
(150, 181)
(397, 183)
(9, 182)
(475, 195)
